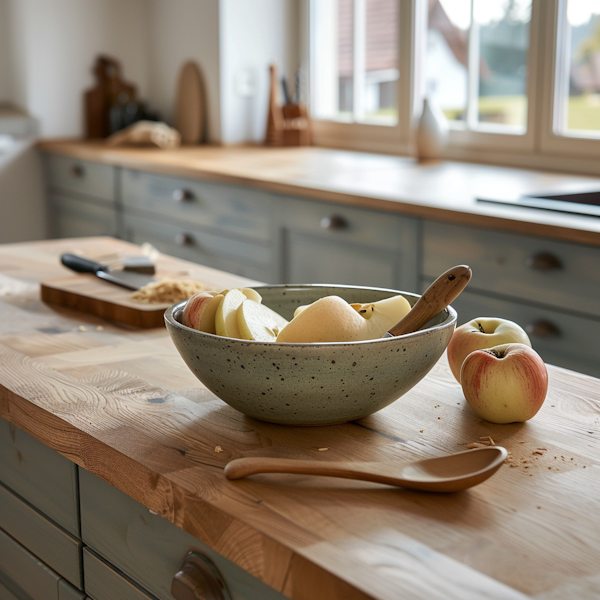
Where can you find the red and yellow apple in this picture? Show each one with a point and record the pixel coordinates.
(200, 310)
(480, 333)
(506, 383)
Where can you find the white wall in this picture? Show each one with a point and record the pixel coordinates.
(53, 47)
(182, 30)
(48, 47)
(4, 51)
(254, 34)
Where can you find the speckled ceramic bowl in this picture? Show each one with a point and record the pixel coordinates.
(311, 384)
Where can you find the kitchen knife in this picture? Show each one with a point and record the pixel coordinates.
(126, 279)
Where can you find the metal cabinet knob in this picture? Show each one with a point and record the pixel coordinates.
(182, 195)
(334, 222)
(184, 239)
(543, 329)
(199, 579)
(77, 171)
(544, 261)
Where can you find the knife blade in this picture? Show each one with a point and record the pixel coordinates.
(126, 279)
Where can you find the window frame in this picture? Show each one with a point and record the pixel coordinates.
(539, 147)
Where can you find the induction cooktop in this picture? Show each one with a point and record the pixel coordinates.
(583, 203)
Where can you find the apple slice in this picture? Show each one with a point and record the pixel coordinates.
(200, 311)
(226, 316)
(258, 322)
(384, 313)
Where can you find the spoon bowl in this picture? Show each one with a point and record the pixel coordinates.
(451, 473)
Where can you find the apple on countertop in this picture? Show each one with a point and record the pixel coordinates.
(480, 333)
(506, 383)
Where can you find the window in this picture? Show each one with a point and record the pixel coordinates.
(476, 62)
(518, 80)
(578, 94)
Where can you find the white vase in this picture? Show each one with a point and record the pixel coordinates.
(431, 133)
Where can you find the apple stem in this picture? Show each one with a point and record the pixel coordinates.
(480, 327)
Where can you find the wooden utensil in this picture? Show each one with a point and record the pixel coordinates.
(442, 292)
(451, 473)
(190, 112)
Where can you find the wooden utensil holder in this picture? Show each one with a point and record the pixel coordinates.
(296, 125)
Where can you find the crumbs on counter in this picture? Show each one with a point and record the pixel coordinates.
(218, 449)
(169, 291)
(323, 449)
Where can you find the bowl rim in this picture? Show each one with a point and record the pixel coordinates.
(173, 311)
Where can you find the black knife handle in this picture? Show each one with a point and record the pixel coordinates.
(81, 265)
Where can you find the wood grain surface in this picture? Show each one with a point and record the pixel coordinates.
(441, 190)
(121, 403)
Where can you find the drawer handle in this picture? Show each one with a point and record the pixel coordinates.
(77, 171)
(184, 239)
(182, 195)
(334, 222)
(544, 261)
(199, 578)
(543, 329)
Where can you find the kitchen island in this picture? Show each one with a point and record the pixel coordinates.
(118, 405)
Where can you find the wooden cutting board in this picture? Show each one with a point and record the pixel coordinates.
(189, 117)
(91, 295)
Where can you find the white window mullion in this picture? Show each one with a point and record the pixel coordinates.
(360, 53)
(472, 119)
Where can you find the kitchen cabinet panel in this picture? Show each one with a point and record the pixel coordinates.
(25, 572)
(234, 255)
(81, 178)
(72, 217)
(102, 582)
(226, 208)
(55, 547)
(329, 243)
(557, 274)
(561, 339)
(148, 548)
(40, 475)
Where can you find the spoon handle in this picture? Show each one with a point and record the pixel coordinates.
(442, 292)
(242, 467)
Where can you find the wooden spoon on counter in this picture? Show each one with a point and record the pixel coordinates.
(451, 473)
(442, 292)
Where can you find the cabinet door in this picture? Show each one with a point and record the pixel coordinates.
(147, 548)
(239, 256)
(328, 243)
(72, 217)
(561, 338)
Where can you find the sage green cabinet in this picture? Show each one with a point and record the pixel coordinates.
(550, 288)
(82, 197)
(324, 242)
(147, 548)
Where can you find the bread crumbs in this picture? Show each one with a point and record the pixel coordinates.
(218, 449)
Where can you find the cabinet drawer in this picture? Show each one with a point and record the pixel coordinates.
(24, 573)
(148, 548)
(226, 208)
(348, 224)
(55, 547)
(102, 582)
(75, 217)
(239, 256)
(556, 274)
(81, 177)
(572, 345)
(40, 475)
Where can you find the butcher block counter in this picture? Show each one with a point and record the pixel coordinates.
(442, 190)
(119, 403)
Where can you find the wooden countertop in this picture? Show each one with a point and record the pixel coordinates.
(445, 191)
(88, 389)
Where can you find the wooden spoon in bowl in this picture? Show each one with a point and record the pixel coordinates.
(442, 292)
(451, 473)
